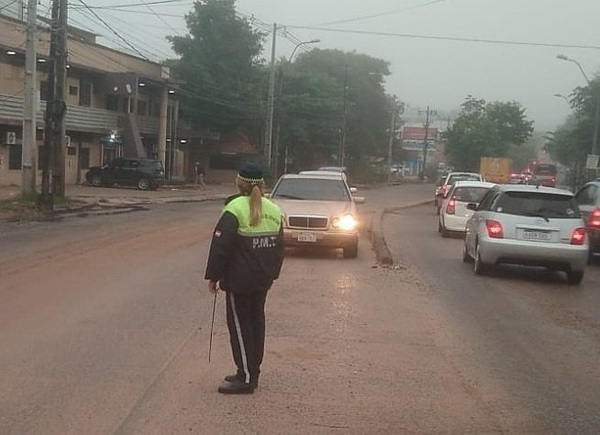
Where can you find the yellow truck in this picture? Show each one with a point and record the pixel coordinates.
(495, 169)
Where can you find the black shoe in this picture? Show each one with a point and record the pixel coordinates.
(236, 387)
(237, 377)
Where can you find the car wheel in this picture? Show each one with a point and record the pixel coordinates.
(351, 251)
(96, 180)
(143, 184)
(478, 267)
(574, 278)
(466, 257)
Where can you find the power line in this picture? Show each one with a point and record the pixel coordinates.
(450, 38)
(382, 14)
(130, 5)
(112, 30)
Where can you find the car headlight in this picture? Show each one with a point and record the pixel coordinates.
(346, 223)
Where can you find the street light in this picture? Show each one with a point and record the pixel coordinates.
(275, 156)
(312, 41)
(597, 112)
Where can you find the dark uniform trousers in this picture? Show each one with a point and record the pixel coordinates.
(246, 323)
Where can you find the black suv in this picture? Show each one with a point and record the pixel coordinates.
(143, 173)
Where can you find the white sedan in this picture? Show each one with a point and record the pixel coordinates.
(453, 212)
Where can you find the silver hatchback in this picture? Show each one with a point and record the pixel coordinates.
(527, 225)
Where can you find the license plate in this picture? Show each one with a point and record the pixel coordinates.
(536, 235)
(307, 237)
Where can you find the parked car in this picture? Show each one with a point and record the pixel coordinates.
(319, 211)
(454, 212)
(142, 173)
(443, 187)
(530, 226)
(588, 199)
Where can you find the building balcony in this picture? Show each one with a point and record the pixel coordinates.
(78, 118)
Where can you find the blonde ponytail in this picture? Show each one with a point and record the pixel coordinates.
(255, 205)
(254, 191)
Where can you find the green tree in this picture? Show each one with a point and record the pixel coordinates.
(316, 90)
(220, 66)
(485, 129)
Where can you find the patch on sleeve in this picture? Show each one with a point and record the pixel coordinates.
(218, 233)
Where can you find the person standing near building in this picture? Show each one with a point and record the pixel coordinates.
(245, 257)
(199, 174)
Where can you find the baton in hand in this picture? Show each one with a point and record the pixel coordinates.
(212, 323)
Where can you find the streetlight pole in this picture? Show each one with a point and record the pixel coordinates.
(597, 109)
(391, 139)
(279, 93)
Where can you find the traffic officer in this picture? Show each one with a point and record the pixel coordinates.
(246, 255)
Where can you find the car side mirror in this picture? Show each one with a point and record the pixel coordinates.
(359, 199)
(472, 206)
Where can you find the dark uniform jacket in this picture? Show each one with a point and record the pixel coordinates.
(242, 258)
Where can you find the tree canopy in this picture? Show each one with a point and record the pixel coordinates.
(485, 129)
(220, 66)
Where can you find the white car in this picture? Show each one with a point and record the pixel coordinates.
(454, 212)
(319, 210)
(530, 226)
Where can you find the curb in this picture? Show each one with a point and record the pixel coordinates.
(382, 252)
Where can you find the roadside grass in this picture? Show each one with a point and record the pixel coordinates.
(27, 207)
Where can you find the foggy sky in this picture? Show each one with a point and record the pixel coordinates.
(438, 73)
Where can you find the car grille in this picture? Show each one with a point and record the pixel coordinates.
(307, 222)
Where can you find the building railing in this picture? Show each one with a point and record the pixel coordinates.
(78, 118)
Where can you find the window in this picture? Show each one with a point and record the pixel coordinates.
(311, 189)
(487, 200)
(71, 151)
(469, 194)
(142, 108)
(15, 157)
(535, 204)
(586, 196)
(224, 161)
(41, 157)
(85, 93)
(44, 91)
(73, 90)
(84, 158)
(112, 103)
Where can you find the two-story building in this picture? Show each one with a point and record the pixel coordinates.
(117, 105)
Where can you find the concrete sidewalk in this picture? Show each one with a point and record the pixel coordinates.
(130, 196)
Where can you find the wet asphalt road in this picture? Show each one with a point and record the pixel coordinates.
(104, 330)
(523, 329)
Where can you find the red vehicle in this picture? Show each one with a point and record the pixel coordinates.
(543, 172)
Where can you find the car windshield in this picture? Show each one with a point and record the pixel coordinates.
(154, 164)
(317, 189)
(469, 194)
(545, 205)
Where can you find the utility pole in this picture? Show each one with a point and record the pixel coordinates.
(426, 144)
(344, 119)
(58, 170)
(53, 162)
(391, 140)
(271, 103)
(29, 109)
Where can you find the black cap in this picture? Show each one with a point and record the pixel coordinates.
(250, 172)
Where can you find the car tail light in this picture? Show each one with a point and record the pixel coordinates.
(595, 218)
(494, 229)
(451, 207)
(578, 236)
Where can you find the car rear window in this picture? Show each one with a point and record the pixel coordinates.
(454, 178)
(546, 205)
(470, 194)
(311, 189)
